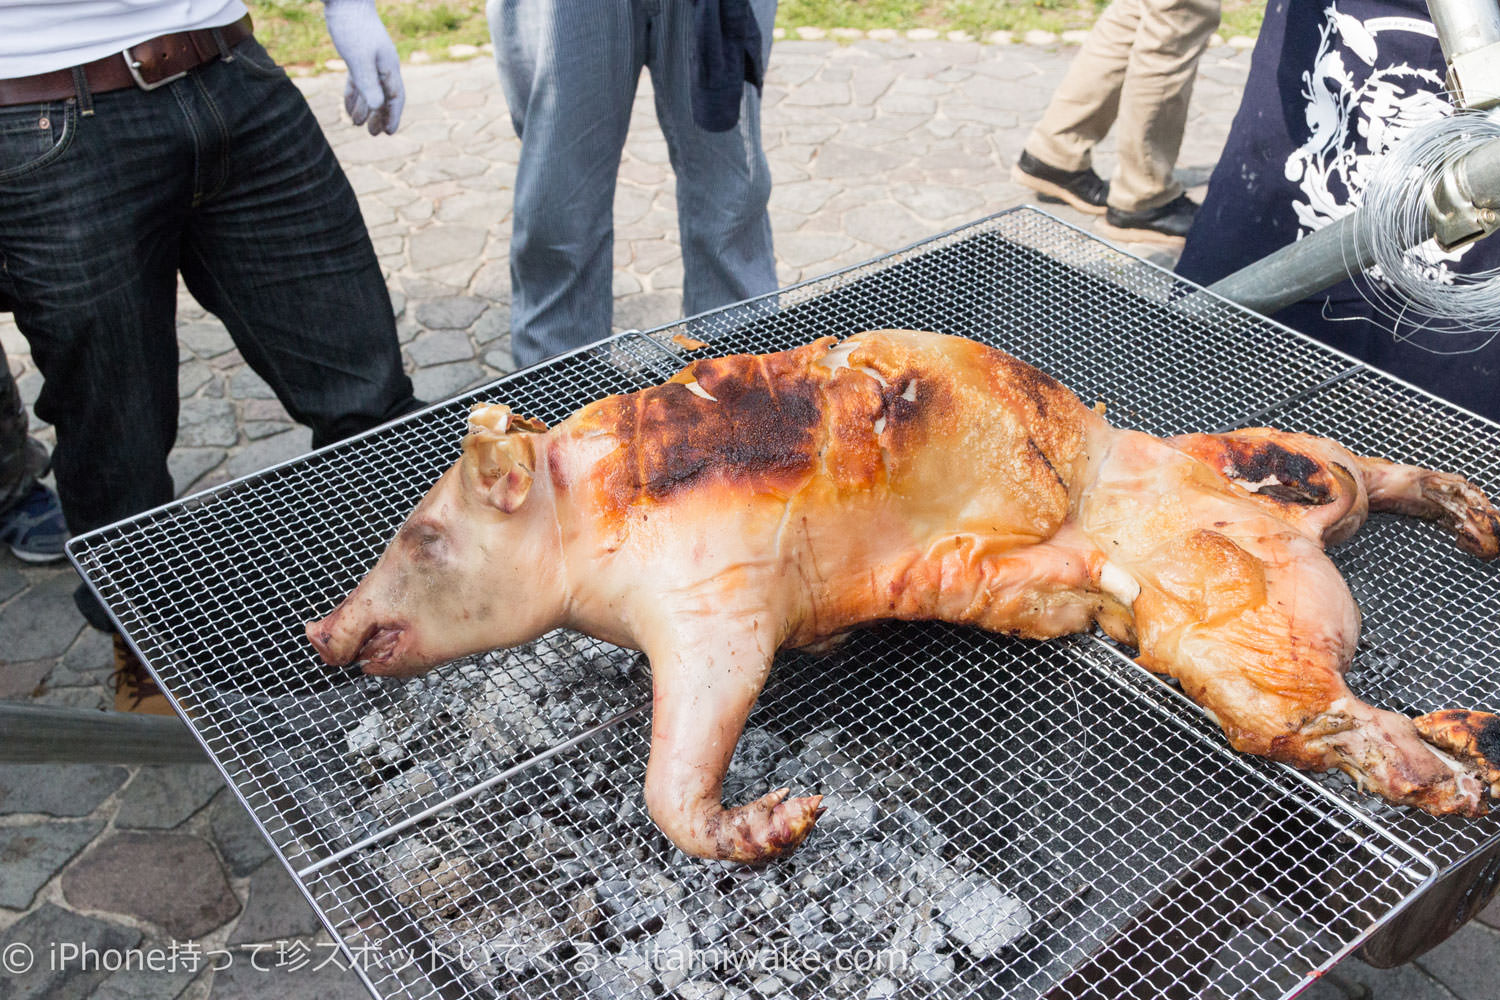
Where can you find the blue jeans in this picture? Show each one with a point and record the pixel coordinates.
(570, 69)
(225, 177)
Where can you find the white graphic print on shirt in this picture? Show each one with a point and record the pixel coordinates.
(1356, 110)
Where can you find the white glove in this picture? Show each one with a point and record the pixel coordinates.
(373, 91)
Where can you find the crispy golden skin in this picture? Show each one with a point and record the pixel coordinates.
(922, 477)
(759, 502)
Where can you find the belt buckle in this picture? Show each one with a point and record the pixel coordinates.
(134, 66)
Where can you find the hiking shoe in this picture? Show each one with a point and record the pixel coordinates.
(1083, 189)
(135, 688)
(35, 527)
(1165, 225)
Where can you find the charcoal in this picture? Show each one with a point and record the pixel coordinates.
(567, 882)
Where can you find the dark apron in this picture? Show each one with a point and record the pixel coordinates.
(1332, 84)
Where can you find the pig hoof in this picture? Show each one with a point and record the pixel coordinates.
(792, 820)
(770, 827)
(1472, 737)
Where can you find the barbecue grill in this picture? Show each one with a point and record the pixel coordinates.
(1007, 819)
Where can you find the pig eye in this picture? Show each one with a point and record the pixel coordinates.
(425, 539)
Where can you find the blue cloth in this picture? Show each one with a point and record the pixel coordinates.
(729, 55)
(1331, 85)
(570, 70)
(225, 177)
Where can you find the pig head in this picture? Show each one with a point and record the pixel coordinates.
(474, 567)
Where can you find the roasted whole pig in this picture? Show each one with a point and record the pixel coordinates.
(761, 502)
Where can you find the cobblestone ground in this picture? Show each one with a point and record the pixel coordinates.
(873, 145)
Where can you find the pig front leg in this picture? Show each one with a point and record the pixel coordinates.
(705, 686)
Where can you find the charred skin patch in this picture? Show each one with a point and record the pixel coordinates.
(749, 433)
(1277, 472)
(1487, 740)
(907, 419)
(755, 420)
(1473, 737)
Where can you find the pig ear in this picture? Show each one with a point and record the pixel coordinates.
(499, 456)
(497, 418)
(509, 491)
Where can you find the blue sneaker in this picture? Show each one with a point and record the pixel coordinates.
(35, 528)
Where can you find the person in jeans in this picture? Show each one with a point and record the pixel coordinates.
(144, 141)
(569, 69)
(31, 520)
(1134, 74)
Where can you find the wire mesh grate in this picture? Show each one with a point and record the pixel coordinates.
(1006, 819)
(984, 853)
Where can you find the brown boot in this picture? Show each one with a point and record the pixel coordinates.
(135, 688)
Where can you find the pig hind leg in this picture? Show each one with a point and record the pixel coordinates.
(1452, 501)
(1436, 763)
(1272, 674)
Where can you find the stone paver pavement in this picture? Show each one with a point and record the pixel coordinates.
(873, 145)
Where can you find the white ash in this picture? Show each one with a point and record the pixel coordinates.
(365, 738)
(557, 882)
(460, 724)
(982, 915)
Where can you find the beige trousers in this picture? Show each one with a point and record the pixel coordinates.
(1135, 72)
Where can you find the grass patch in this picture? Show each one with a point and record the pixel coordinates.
(294, 32)
(977, 17)
(1242, 17)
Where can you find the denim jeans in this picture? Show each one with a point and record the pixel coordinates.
(570, 69)
(21, 458)
(225, 177)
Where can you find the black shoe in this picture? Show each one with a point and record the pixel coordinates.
(1164, 225)
(1083, 189)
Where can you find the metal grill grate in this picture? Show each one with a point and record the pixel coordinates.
(1007, 819)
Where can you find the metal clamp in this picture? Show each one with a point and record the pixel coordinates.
(1452, 208)
(1474, 77)
(134, 66)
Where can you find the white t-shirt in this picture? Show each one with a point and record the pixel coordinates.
(37, 36)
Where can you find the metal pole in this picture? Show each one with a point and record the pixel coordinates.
(1322, 259)
(41, 734)
(1481, 174)
(1464, 26)
(1469, 32)
(1317, 261)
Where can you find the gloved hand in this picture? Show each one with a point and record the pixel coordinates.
(373, 91)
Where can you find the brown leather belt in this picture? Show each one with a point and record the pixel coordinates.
(147, 65)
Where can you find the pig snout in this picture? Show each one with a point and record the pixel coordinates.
(339, 637)
(344, 637)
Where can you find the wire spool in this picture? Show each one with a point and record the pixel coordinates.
(1414, 283)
